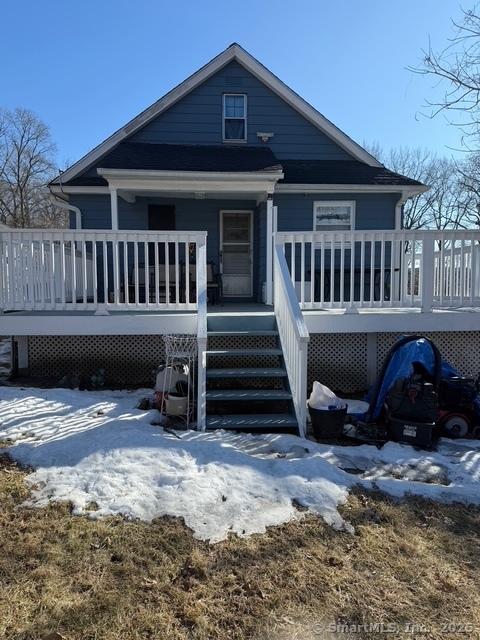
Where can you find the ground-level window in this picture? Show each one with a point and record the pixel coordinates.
(337, 215)
(235, 117)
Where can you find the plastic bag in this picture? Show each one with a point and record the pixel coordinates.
(323, 398)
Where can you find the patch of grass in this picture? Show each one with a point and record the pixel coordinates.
(70, 577)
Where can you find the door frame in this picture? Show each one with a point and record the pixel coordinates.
(220, 237)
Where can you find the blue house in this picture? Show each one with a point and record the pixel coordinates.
(232, 209)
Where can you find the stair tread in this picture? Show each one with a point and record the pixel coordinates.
(252, 420)
(247, 372)
(244, 352)
(248, 394)
(242, 333)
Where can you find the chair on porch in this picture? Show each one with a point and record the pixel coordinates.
(152, 288)
(214, 283)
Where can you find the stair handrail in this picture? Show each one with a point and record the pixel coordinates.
(201, 334)
(294, 336)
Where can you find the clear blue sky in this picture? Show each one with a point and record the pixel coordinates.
(86, 67)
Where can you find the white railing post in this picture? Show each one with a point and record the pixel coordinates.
(476, 269)
(302, 386)
(269, 252)
(293, 334)
(201, 257)
(427, 276)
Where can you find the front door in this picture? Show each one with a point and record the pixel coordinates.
(236, 245)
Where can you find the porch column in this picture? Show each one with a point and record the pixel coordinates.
(114, 208)
(270, 230)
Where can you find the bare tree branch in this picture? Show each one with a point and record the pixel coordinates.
(451, 201)
(457, 66)
(26, 165)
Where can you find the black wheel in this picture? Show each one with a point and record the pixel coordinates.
(456, 426)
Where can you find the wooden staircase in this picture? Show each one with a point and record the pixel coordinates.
(247, 382)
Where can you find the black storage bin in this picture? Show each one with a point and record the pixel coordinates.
(327, 423)
(420, 434)
(414, 400)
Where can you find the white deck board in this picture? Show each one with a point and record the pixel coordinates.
(86, 323)
(318, 321)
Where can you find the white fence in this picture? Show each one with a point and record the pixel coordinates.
(64, 270)
(384, 268)
(293, 335)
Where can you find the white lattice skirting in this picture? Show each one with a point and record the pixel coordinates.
(127, 360)
(344, 361)
(350, 361)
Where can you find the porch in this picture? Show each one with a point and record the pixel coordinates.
(74, 283)
(367, 274)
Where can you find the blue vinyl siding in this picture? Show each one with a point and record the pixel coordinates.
(197, 119)
(96, 211)
(372, 210)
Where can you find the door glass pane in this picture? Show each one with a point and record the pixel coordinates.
(236, 227)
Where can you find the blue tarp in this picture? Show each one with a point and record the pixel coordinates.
(400, 366)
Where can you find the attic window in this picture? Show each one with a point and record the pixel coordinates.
(234, 117)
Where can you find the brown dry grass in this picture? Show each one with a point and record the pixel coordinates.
(69, 577)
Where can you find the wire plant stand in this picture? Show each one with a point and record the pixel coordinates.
(181, 350)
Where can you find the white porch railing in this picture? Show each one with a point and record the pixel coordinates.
(91, 270)
(293, 335)
(202, 336)
(384, 268)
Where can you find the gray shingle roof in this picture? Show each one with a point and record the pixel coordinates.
(180, 157)
(340, 172)
(183, 157)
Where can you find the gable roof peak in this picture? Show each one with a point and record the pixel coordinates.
(237, 52)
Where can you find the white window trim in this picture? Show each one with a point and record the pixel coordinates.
(334, 203)
(245, 101)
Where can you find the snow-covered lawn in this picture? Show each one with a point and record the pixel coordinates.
(96, 448)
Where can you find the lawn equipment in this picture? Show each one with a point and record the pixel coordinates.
(419, 396)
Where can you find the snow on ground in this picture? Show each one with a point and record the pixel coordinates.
(96, 447)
